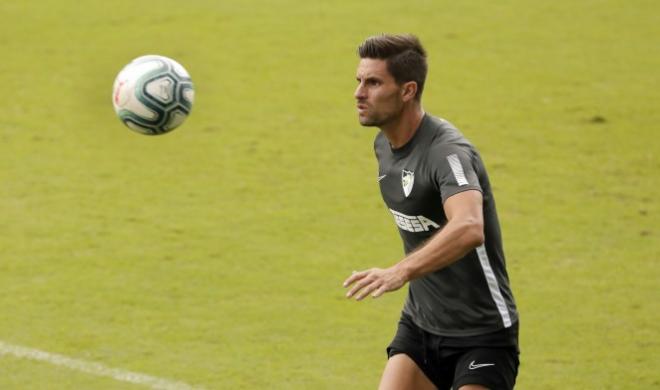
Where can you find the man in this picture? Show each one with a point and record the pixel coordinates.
(459, 325)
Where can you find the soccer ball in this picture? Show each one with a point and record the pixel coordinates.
(153, 95)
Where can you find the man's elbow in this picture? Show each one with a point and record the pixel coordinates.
(474, 234)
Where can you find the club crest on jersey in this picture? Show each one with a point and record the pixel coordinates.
(407, 181)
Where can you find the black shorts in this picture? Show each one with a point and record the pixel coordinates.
(451, 362)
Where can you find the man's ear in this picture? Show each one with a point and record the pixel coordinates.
(409, 91)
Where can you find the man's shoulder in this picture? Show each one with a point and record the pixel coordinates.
(445, 136)
(439, 124)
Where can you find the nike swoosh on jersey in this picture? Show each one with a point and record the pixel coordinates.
(381, 177)
(473, 366)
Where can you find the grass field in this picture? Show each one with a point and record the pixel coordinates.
(214, 255)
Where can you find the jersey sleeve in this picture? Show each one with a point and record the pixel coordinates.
(453, 170)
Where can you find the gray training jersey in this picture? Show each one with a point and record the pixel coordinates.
(472, 295)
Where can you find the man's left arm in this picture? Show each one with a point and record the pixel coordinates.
(463, 232)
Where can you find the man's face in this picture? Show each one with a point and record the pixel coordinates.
(379, 97)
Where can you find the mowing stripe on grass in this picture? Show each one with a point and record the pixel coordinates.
(92, 368)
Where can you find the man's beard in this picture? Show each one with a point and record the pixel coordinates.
(370, 122)
(373, 121)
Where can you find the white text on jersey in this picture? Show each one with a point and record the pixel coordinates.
(409, 223)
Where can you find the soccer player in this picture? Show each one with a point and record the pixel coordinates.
(459, 325)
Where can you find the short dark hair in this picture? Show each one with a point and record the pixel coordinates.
(404, 55)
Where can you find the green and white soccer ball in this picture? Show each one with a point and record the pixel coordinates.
(153, 94)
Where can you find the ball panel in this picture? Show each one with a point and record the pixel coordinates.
(161, 89)
(176, 119)
(179, 70)
(187, 95)
(135, 127)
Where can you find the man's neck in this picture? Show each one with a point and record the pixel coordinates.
(400, 131)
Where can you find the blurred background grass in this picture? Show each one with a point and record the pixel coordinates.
(214, 255)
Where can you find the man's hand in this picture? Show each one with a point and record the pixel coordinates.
(374, 281)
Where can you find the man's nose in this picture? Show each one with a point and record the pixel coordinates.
(360, 92)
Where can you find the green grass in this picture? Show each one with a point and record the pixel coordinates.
(214, 255)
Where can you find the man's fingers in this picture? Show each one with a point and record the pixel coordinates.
(374, 281)
(366, 282)
(380, 291)
(358, 286)
(354, 276)
(367, 290)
